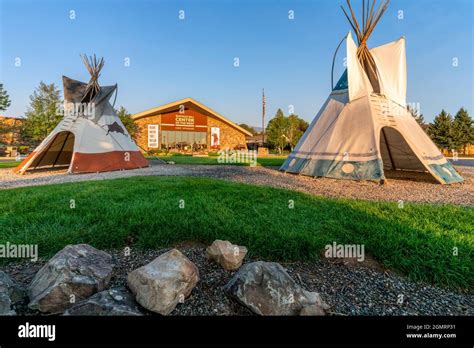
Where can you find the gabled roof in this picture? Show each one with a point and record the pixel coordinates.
(173, 105)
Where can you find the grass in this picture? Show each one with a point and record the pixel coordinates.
(417, 240)
(9, 164)
(276, 161)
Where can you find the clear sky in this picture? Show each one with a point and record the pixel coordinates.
(171, 59)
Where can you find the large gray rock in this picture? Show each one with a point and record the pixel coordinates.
(267, 289)
(73, 274)
(15, 291)
(160, 285)
(116, 301)
(316, 309)
(6, 304)
(10, 292)
(226, 254)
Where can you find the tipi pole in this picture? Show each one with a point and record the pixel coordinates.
(333, 62)
(263, 117)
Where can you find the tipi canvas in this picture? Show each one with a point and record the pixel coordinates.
(90, 137)
(364, 127)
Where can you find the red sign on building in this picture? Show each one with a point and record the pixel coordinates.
(188, 120)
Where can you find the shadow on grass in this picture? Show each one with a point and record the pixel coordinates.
(156, 212)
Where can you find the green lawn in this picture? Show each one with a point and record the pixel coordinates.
(417, 240)
(276, 161)
(9, 164)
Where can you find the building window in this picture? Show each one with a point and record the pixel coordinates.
(152, 136)
(183, 141)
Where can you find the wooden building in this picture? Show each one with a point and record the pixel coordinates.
(187, 126)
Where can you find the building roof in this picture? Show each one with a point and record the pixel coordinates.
(254, 138)
(172, 105)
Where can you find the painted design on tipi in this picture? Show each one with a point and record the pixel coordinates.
(115, 127)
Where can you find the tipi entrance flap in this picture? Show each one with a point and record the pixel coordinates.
(73, 89)
(391, 69)
(359, 84)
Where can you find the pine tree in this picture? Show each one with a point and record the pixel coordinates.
(418, 117)
(43, 113)
(463, 129)
(441, 131)
(4, 99)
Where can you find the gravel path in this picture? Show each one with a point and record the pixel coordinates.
(349, 289)
(422, 188)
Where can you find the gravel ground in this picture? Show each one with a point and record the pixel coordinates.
(349, 288)
(420, 188)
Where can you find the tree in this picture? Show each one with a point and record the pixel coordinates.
(285, 131)
(43, 113)
(463, 129)
(127, 120)
(4, 99)
(418, 117)
(247, 128)
(276, 131)
(441, 130)
(4, 127)
(295, 128)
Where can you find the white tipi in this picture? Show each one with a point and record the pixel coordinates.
(364, 127)
(90, 137)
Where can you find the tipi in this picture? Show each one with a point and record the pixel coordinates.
(90, 137)
(364, 127)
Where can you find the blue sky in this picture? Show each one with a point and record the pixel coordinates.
(171, 59)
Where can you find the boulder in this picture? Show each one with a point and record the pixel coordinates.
(226, 254)
(5, 304)
(73, 274)
(161, 284)
(14, 291)
(316, 309)
(267, 289)
(10, 293)
(115, 301)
